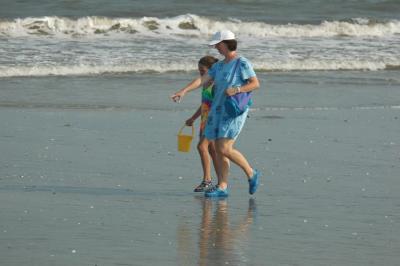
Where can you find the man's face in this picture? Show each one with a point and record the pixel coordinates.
(221, 47)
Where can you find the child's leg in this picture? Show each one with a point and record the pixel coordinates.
(202, 147)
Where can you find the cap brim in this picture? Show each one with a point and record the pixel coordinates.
(214, 42)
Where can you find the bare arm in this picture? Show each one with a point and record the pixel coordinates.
(196, 115)
(194, 84)
(252, 84)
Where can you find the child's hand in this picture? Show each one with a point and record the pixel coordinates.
(177, 97)
(189, 122)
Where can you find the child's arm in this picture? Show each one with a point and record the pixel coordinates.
(194, 84)
(196, 115)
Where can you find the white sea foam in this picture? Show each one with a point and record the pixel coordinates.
(90, 69)
(163, 67)
(314, 64)
(96, 45)
(189, 26)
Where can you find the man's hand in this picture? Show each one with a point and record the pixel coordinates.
(232, 91)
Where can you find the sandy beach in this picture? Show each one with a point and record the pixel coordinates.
(89, 169)
(91, 175)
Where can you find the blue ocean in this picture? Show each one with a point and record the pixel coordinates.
(87, 37)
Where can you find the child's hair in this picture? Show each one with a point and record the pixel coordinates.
(208, 61)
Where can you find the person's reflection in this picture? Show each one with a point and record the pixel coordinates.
(220, 242)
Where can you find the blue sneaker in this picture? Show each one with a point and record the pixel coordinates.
(216, 192)
(254, 182)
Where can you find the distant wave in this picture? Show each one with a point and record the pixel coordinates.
(338, 64)
(81, 70)
(188, 26)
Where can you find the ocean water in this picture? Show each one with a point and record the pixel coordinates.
(88, 37)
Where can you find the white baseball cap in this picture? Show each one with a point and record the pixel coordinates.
(220, 36)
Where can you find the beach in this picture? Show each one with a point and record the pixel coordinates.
(92, 176)
(90, 173)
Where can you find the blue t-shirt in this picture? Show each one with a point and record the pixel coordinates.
(221, 74)
(219, 124)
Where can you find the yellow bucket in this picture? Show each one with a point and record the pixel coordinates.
(184, 141)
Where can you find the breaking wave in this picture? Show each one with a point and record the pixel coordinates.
(188, 26)
(81, 70)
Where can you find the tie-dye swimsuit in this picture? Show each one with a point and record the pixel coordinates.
(206, 100)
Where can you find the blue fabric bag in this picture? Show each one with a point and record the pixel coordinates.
(237, 104)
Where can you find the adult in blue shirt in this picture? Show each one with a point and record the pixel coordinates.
(221, 127)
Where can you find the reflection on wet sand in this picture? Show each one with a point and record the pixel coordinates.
(220, 241)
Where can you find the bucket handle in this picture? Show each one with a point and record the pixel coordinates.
(180, 131)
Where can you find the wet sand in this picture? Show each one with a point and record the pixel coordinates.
(91, 175)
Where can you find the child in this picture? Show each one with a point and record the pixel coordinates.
(205, 147)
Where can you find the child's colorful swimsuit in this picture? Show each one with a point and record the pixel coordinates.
(206, 100)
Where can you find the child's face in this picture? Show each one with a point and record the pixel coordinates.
(203, 70)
